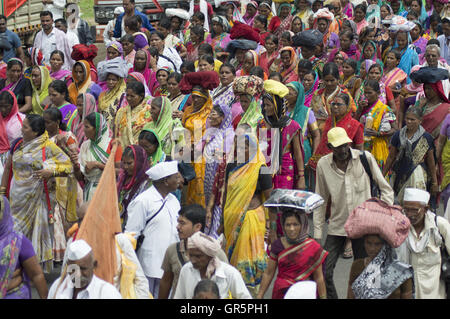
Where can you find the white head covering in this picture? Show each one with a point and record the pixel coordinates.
(162, 170)
(416, 195)
(78, 249)
(119, 10)
(302, 290)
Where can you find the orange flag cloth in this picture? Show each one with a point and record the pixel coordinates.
(102, 222)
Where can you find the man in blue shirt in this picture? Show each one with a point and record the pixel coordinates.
(10, 42)
(130, 10)
(444, 40)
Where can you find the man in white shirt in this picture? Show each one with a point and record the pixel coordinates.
(56, 7)
(422, 247)
(50, 39)
(72, 38)
(79, 281)
(204, 264)
(154, 213)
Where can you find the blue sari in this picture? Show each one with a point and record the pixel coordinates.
(409, 58)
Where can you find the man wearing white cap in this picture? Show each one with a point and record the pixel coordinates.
(421, 248)
(108, 34)
(79, 281)
(154, 214)
(342, 180)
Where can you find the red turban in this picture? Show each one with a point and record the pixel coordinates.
(88, 53)
(244, 31)
(208, 80)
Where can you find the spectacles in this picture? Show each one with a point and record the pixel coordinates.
(337, 104)
(411, 210)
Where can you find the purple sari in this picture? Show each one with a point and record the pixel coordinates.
(10, 244)
(68, 112)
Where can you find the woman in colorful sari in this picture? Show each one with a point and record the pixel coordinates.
(270, 57)
(178, 100)
(57, 91)
(265, 9)
(383, 124)
(393, 77)
(360, 17)
(66, 187)
(194, 120)
(142, 64)
(127, 42)
(220, 36)
(410, 57)
(419, 38)
(81, 52)
(224, 94)
(375, 72)
(94, 153)
(296, 256)
(244, 222)
(311, 84)
(85, 105)
(435, 104)
(324, 21)
(35, 162)
(247, 90)
(82, 82)
(347, 43)
(305, 117)
(282, 21)
(170, 131)
(33, 57)
(322, 98)
(250, 13)
(340, 116)
(369, 52)
(10, 124)
(40, 81)
(288, 65)
(114, 72)
(19, 85)
(152, 145)
(21, 263)
(251, 59)
(130, 119)
(285, 153)
(56, 70)
(132, 179)
(349, 79)
(411, 156)
(216, 143)
(303, 11)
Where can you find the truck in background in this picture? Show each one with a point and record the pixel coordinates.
(23, 18)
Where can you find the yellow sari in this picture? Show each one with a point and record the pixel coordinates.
(195, 122)
(40, 94)
(378, 146)
(130, 122)
(244, 229)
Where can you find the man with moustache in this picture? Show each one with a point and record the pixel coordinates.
(344, 184)
(422, 248)
(79, 281)
(192, 218)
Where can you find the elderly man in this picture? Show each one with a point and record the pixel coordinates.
(341, 179)
(154, 213)
(192, 218)
(79, 282)
(421, 248)
(432, 59)
(205, 264)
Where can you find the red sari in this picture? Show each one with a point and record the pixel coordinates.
(296, 263)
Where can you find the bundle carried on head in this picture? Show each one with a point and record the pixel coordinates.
(84, 52)
(308, 38)
(208, 80)
(251, 85)
(375, 217)
(293, 198)
(242, 44)
(244, 31)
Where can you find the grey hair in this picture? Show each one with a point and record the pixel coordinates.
(434, 46)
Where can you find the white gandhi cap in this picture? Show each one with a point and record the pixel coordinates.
(78, 250)
(162, 170)
(416, 195)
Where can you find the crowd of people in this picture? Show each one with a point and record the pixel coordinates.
(202, 117)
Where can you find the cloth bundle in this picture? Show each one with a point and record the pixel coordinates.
(244, 31)
(208, 80)
(293, 198)
(376, 217)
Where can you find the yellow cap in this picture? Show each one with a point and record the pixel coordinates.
(276, 88)
(337, 136)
